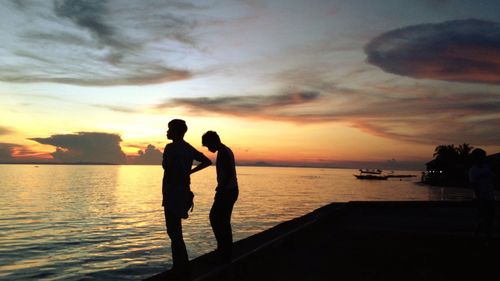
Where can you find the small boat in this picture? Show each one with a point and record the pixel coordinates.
(370, 171)
(367, 174)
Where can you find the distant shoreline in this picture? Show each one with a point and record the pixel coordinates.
(239, 165)
(97, 164)
(55, 163)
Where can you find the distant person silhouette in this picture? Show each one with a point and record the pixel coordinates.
(225, 196)
(177, 164)
(482, 180)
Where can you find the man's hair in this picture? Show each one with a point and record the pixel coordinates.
(210, 137)
(178, 126)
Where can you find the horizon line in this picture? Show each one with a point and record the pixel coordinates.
(256, 164)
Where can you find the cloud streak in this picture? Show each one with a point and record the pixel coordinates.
(402, 113)
(446, 117)
(115, 108)
(251, 106)
(460, 50)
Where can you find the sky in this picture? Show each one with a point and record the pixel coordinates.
(316, 83)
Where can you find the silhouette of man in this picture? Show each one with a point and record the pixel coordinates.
(482, 180)
(225, 196)
(177, 164)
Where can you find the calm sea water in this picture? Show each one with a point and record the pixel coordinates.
(106, 222)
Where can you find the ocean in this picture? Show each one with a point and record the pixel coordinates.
(85, 222)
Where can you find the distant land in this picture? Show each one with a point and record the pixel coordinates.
(415, 166)
(55, 163)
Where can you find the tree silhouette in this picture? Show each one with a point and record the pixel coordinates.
(450, 153)
(464, 151)
(445, 152)
(451, 163)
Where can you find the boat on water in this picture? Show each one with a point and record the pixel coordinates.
(369, 174)
(376, 174)
(370, 171)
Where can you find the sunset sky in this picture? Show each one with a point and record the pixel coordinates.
(323, 83)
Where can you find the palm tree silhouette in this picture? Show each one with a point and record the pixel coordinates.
(445, 153)
(464, 151)
(452, 161)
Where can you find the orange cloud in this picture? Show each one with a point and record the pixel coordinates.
(18, 153)
(249, 106)
(410, 114)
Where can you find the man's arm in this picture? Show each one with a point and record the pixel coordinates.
(204, 162)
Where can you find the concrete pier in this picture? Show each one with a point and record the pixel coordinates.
(364, 241)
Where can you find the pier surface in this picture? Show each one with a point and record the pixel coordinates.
(364, 241)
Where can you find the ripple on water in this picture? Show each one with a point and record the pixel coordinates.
(106, 222)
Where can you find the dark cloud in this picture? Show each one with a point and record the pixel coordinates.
(96, 43)
(150, 156)
(245, 105)
(86, 147)
(6, 151)
(460, 50)
(88, 14)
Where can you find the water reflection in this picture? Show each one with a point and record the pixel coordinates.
(106, 222)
